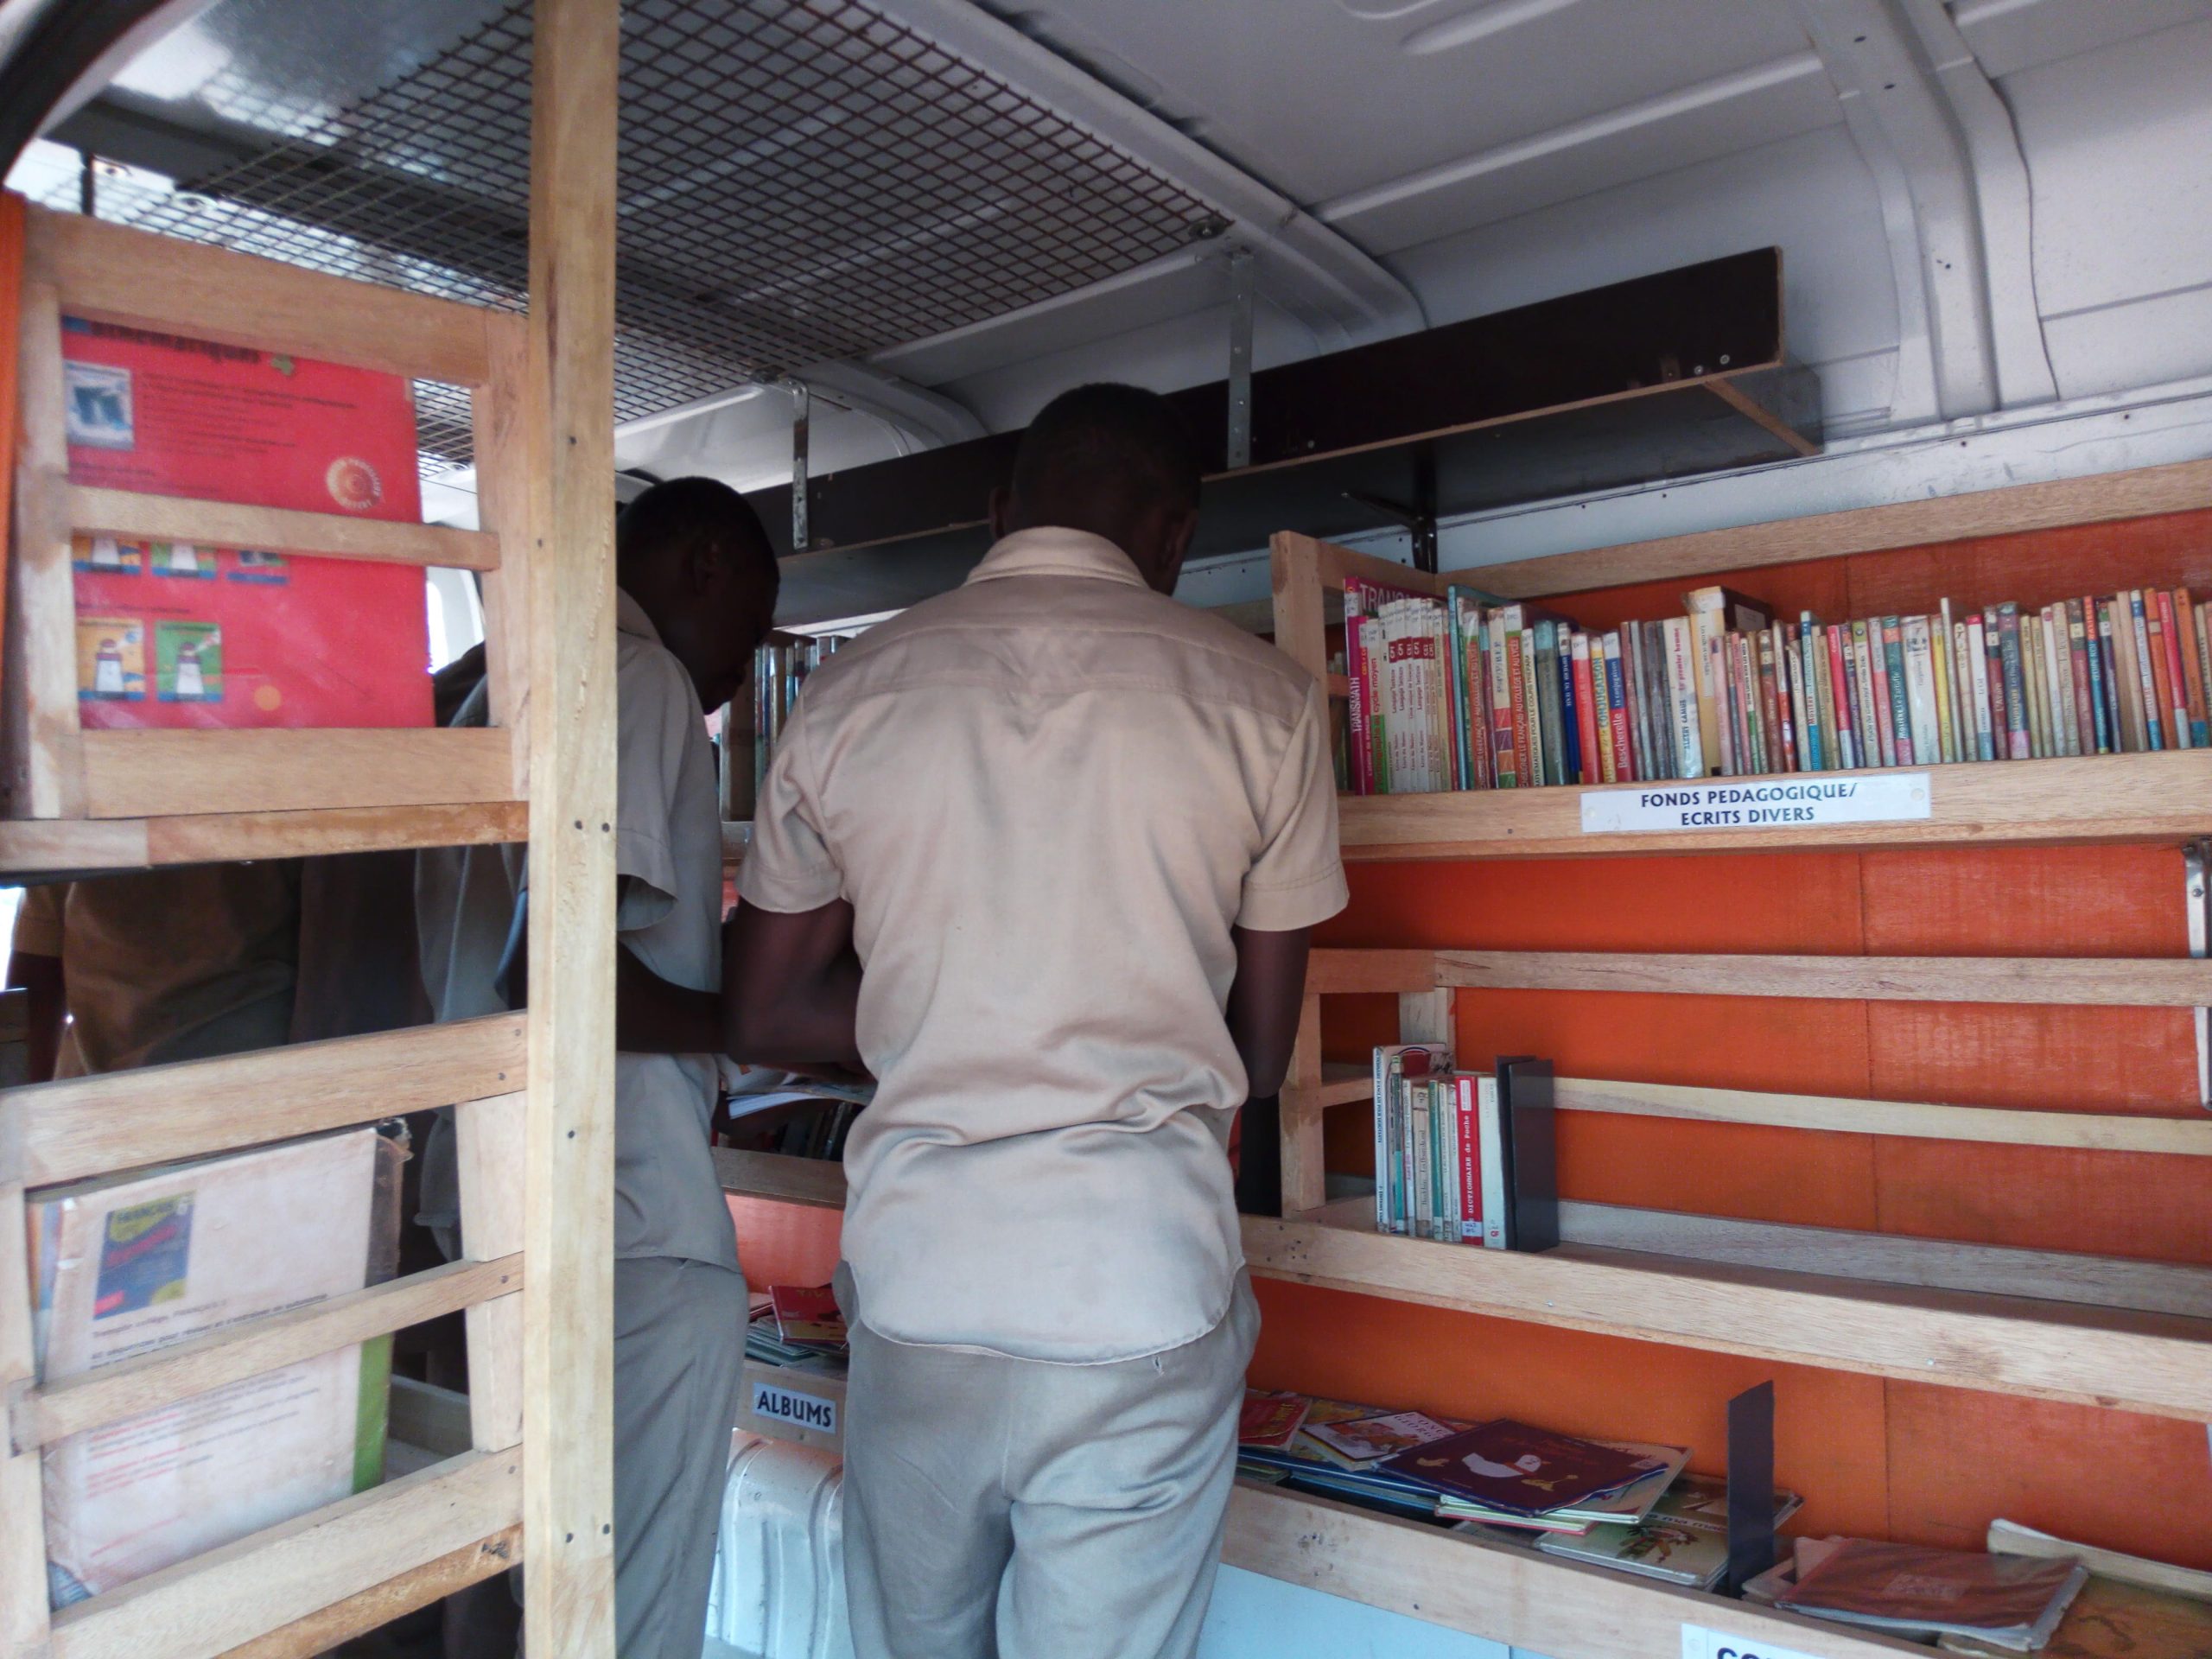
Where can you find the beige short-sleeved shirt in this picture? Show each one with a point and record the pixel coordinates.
(1049, 795)
(172, 965)
(668, 914)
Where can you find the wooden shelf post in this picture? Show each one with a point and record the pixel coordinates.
(569, 438)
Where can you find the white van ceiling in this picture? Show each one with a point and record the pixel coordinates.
(1981, 205)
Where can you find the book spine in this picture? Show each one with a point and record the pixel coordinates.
(1463, 763)
(1770, 700)
(1570, 712)
(1812, 728)
(1549, 715)
(1481, 728)
(1867, 699)
(1421, 1222)
(2057, 689)
(2192, 669)
(2085, 700)
(2152, 637)
(1491, 1134)
(1976, 669)
(1962, 690)
(1709, 682)
(1634, 762)
(2145, 677)
(1846, 723)
(1516, 642)
(2118, 685)
(1601, 687)
(1616, 689)
(1442, 1116)
(2016, 726)
(2203, 635)
(1383, 1142)
(1390, 772)
(1992, 669)
(1752, 747)
(1587, 716)
(2031, 677)
(1443, 766)
(1900, 708)
(1721, 677)
(1468, 1128)
(1665, 755)
(1407, 1200)
(1920, 691)
(1504, 760)
(1532, 695)
(2177, 703)
(1938, 633)
(1685, 744)
(1791, 708)
(1357, 704)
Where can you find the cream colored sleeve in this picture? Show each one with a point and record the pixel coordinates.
(1298, 879)
(789, 866)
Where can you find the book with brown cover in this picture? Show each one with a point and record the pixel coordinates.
(1523, 1471)
(2011, 1601)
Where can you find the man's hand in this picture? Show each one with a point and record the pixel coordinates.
(791, 987)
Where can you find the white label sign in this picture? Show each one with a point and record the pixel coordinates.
(1698, 1642)
(790, 1406)
(1757, 803)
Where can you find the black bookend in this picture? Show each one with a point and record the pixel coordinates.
(1259, 1158)
(1750, 1485)
(1524, 1096)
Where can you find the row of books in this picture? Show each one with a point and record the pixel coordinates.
(1463, 1157)
(779, 668)
(1464, 692)
(1618, 1503)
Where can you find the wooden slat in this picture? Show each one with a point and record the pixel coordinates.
(2181, 486)
(568, 1141)
(42, 666)
(82, 1127)
(125, 275)
(1340, 1085)
(494, 1223)
(1304, 1166)
(1532, 1602)
(155, 773)
(2088, 799)
(231, 1596)
(502, 505)
(276, 529)
(82, 844)
(1740, 399)
(815, 1181)
(2147, 982)
(1295, 572)
(1336, 563)
(1896, 1259)
(2137, 1362)
(43, 1415)
(2186, 1136)
(322, 1631)
(1333, 971)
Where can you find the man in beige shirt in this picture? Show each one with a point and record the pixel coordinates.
(1042, 854)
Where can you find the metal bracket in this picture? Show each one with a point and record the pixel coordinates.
(2195, 893)
(1418, 522)
(802, 407)
(1244, 288)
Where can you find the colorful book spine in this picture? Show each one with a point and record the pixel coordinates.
(1517, 644)
(1920, 691)
(2146, 685)
(1846, 712)
(1617, 713)
(2086, 701)
(1869, 700)
(1680, 669)
(2192, 664)
(2117, 684)
(1590, 762)
(1568, 743)
(1468, 1127)
(1992, 669)
(2016, 707)
(2062, 677)
(2154, 640)
(1792, 711)
(1505, 749)
(1939, 664)
(1532, 693)
(2204, 636)
(1359, 704)
(1720, 679)
(1809, 670)
(2031, 678)
(1462, 755)
(1758, 743)
(1900, 704)
(2177, 703)
(1946, 662)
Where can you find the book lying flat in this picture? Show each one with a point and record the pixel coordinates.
(1270, 1419)
(1370, 1439)
(2110, 1619)
(1511, 1466)
(2013, 1603)
(807, 1316)
(1628, 1505)
(1683, 1539)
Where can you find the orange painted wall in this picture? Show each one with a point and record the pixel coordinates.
(1902, 1460)
(1890, 1460)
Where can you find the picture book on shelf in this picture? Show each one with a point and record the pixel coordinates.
(2010, 1602)
(1270, 1419)
(1682, 1539)
(1463, 693)
(1521, 1470)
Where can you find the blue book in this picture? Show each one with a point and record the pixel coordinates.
(1570, 712)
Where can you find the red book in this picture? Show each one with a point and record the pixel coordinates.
(807, 1315)
(2077, 647)
(2162, 689)
(1516, 646)
(2192, 668)
(1770, 698)
(2000, 711)
(1585, 706)
(1885, 728)
(2177, 686)
(1464, 1096)
(1847, 737)
(1511, 1466)
(1270, 1418)
(1785, 670)
(1618, 691)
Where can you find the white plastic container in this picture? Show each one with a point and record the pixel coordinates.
(780, 1561)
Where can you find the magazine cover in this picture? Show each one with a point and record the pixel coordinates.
(1908, 1587)
(1523, 1471)
(1369, 1439)
(232, 636)
(807, 1316)
(129, 1266)
(1270, 1418)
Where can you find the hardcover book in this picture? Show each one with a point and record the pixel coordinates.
(1511, 1466)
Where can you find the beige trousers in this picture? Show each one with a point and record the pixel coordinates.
(1007, 1509)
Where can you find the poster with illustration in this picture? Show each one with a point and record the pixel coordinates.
(110, 660)
(243, 636)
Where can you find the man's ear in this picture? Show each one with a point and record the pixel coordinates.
(1001, 512)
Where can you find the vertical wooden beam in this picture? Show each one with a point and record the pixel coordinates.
(568, 1367)
(1425, 1016)
(493, 1224)
(1305, 1180)
(502, 505)
(46, 778)
(1295, 568)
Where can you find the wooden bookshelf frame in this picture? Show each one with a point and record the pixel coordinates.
(81, 800)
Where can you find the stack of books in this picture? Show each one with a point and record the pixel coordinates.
(1336, 1448)
(779, 668)
(1682, 1539)
(798, 1326)
(1458, 1153)
(1466, 692)
(1505, 1473)
(2010, 1603)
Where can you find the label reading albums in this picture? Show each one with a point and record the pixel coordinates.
(1757, 804)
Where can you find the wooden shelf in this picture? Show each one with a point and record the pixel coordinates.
(1519, 1597)
(1340, 1085)
(66, 846)
(2114, 797)
(2149, 1363)
(2006, 1344)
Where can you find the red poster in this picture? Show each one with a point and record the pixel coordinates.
(175, 634)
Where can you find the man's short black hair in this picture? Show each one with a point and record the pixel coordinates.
(687, 514)
(1106, 446)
